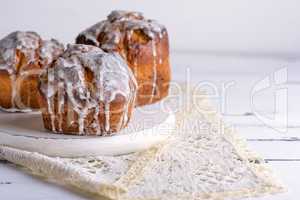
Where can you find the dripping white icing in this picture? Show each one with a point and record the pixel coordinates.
(49, 51)
(119, 22)
(13, 89)
(111, 77)
(96, 123)
(50, 92)
(160, 61)
(61, 103)
(25, 42)
(154, 53)
(34, 50)
(107, 117)
(52, 116)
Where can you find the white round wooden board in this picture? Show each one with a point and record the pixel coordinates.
(149, 125)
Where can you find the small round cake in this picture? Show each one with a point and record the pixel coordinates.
(23, 55)
(143, 43)
(87, 91)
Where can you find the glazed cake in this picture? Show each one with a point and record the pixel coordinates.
(87, 92)
(23, 55)
(143, 43)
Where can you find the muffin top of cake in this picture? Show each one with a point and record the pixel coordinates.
(20, 49)
(89, 74)
(120, 24)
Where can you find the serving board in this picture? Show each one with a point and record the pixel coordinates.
(149, 125)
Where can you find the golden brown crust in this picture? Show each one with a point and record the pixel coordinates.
(144, 70)
(29, 92)
(5, 90)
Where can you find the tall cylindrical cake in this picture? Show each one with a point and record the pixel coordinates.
(143, 43)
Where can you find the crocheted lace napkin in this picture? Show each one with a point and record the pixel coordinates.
(203, 159)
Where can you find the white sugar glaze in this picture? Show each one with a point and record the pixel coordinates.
(111, 77)
(154, 53)
(120, 24)
(49, 51)
(35, 51)
(26, 42)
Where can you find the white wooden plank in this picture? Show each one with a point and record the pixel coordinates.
(263, 132)
(248, 120)
(16, 184)
(252, 128)
(265, 108)
(276, 149)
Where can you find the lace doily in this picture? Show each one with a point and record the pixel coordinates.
(203, 160)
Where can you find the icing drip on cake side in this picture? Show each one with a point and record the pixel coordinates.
(25, 42)
(49, 51)
(50, 92)
(154, 53)
(111, 78)
(20, 49)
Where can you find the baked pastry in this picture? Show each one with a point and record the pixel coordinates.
(87, 91)
(143, 43)
(23, 55)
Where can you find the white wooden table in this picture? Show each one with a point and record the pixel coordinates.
(280, 150)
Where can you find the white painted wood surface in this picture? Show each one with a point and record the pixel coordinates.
(280, 149)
